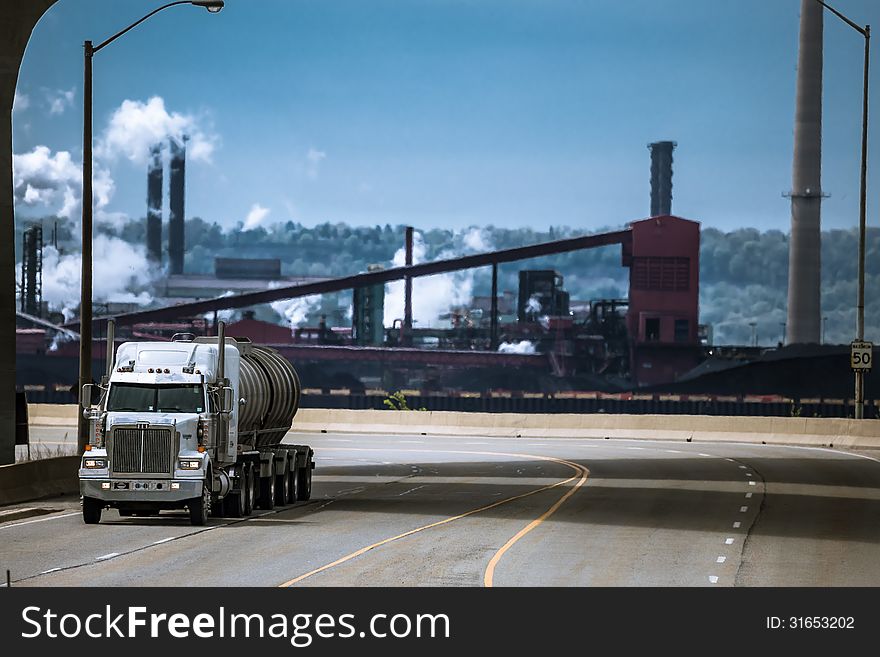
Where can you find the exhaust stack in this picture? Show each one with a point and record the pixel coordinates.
(804, 258)
(154, 204)
(176, 205)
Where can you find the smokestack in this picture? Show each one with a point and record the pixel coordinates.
(176, 217)
(154, 204)
(661, 177)
(804, 311)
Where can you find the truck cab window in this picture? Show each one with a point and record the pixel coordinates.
(156, 398)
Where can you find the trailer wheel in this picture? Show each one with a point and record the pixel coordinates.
(200, 508)
(92, 509)
(249, 489)
(291, 483)
(267, 487)
(305, 482)
(234, 502)
(282, 485)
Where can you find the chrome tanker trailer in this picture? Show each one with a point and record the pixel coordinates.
(188, 424)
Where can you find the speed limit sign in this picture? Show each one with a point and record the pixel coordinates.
(861, 355)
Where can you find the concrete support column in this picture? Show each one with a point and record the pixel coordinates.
(17, 21)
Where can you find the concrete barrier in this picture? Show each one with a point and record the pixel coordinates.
(837, 432)
(33, 480)
(53, 415)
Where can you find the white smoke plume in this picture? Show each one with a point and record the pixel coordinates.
(255, 216)
(121, 274)
(533, 306)
(521, 347)
(476, 239)
(295, 311)
(432, 296)
(135, 126)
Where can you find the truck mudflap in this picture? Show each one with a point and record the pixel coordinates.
(123, 490)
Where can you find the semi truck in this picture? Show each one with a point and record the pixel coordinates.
(196, 423)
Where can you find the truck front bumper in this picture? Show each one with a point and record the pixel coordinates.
(140, 490)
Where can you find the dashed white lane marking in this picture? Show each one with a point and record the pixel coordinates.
(107, 556)
(30, 522)
(411, 442)
(742, 467)
(731, 460)
(729, 541)
(164, 540)
(51, 570)
(673, 451)
(707, 455)
(737, 525)
(752, 483)
(721, 559)
(743, 509)
(748, 474)
(748, 495)
(713, 579)
(634, 448)
(407, 492)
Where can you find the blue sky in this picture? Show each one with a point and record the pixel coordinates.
(444, 113)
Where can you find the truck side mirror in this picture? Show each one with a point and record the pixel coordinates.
(85, 398)
(228, 405)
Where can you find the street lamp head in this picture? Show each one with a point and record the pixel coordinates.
(213, 6)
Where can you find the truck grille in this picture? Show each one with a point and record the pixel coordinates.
(142, 451)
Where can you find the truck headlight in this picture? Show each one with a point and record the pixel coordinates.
(95, 463)
(190, 465)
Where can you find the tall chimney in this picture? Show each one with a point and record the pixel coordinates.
(154, 204)
(804, 311)
(176, 217)
(661, 177)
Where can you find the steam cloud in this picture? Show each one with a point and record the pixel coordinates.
(295, 311)
(121, 274)
(521, 347)
(432, 296)
(256, 216)
(135, 126)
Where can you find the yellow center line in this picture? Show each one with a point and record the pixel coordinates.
(579, 470)
(493, 562)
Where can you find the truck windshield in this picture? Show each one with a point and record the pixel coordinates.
(156, 399)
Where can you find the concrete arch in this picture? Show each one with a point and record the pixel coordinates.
(17, 21)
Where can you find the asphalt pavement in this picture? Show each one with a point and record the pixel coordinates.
(476, 511)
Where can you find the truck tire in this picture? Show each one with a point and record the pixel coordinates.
(200, 508)
(92, 509)
(292, 479)
(267, 487)
(282, 484)
(234, 502)
(249, 489)
(304, 483)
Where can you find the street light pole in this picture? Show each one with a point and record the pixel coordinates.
(85, 313)
(863, 193)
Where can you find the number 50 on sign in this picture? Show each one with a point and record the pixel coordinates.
(861, 355)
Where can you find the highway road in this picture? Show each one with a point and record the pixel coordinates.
(476, 511)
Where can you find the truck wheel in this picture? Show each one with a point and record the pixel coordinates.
(92, 509)
(234, 502)
(200, 508)
(291, 486)
(250, 489)
(282, 485)
(304, 485)
(267, 487)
